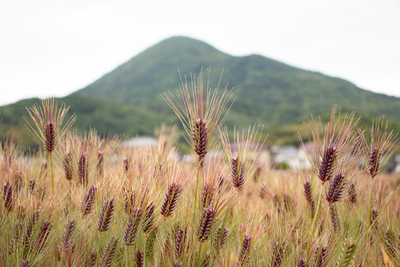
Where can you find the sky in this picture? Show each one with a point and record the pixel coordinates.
(55, 47)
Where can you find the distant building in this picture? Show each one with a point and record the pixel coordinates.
(295, 158)
(140, 141)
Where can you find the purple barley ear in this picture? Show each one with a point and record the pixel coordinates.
(90, 260)
(66, 243)
(288, 203)
(106, 215)
(207, 195)
(17, 234)
(207, 260)
(31, 186)
(301, 263)
(307, 191)
(221, 182)
(220, 239)
(21, 213)
(29, 229)
(336, 188)
(171, 199)
(200, 138)
(7, 196)
(83, 169)
(127, 165)
(278, 251)
(43, 237)
(237, 173)
(18, 182)
(49, 131)
(327, 165)
(167, 246)
(24, 263)
(390, 243)
(245, 251)
(68, 166)
(88, 201)
(178, 264)
(374, 161)
(277, 203)
(109, 252)
(334, 218)
(308, 196)
(206, 223)
(129, 200)
(352, 194)
(148, 218)
(132, 227)
(139, 258)
(321, 256)
(374, 218)
(179, 241)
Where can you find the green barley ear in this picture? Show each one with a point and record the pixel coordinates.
(150, 243)
(347, 255)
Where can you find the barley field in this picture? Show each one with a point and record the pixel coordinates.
(82, 200)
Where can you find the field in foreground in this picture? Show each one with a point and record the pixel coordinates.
(115, 206)
(84, 201)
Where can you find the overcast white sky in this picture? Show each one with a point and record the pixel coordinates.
(54, 47)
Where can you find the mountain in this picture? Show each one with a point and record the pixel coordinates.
(269, 91)
(128, 99)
